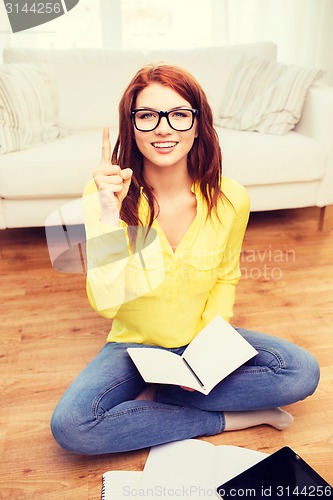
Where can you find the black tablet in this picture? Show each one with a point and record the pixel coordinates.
(282, 475)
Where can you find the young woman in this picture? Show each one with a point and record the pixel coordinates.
(164, 235)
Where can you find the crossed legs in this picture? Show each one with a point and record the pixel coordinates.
(100, 412)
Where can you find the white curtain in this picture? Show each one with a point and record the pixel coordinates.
(302, 29)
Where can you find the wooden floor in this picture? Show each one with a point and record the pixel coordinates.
(48, 333)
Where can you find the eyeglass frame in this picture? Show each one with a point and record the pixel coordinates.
(164, 114)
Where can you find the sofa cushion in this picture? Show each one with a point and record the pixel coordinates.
(28, 106)
(256, 159)
(57, 169)
(265, 96)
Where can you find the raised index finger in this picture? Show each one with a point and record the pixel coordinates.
(106, 145)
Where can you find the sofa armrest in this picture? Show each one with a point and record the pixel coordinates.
(317, 122)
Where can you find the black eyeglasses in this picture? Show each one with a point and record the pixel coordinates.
(147, 119)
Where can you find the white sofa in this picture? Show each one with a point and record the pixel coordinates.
(279, 171)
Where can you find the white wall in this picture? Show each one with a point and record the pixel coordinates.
(302, 29)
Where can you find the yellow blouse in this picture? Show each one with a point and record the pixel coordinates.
(159, 296)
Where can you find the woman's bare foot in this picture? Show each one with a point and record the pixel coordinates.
(276, 417)
(148, 394)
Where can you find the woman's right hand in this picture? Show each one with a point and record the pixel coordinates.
(112, 181)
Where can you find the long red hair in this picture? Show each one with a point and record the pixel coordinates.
(204, 161)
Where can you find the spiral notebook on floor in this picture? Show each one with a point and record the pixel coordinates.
(119, 484)
(181, 469)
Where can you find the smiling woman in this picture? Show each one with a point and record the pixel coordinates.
(162, 285)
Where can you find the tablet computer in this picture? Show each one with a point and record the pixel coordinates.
(282, 475)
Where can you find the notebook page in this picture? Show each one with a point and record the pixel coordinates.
(194, 468)
(162, 367)
(180, 469)
(232, 460)
(120, 484)
(217, 351)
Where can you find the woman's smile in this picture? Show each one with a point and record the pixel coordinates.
(164, 147)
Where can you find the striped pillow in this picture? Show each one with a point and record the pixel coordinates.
(265, 96)
(28, 106)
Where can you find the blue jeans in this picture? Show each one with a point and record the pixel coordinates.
(99, 414)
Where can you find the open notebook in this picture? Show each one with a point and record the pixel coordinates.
(215, 352)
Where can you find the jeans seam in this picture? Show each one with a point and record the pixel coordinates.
(144, 409)
(254, 370)
(101, 395)
(276, 354)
